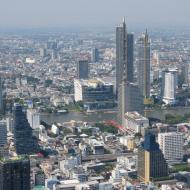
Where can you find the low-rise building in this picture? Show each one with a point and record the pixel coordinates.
(135, 122)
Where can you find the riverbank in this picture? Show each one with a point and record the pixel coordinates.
(109, 115)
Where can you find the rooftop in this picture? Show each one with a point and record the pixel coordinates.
(93, 82)
(135, 115)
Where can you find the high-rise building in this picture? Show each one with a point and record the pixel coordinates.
(130, 57)
(82, 69)
(25, 142)
(185, 73)
(124, 55)
(15, 174)
(171, 145)
(33, 118)
(3, 139)
(143, 65)
(1, 97)
(129, 99)
(95, 55)
(169, 86)
(151, 162)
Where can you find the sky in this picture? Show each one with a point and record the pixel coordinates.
(94, 13)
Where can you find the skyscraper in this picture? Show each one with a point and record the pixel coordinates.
(15, 174)
(129, 97)
(151, 161)
(143, 65)
(82, 69)
(124, 55)
(25, 142)
(130, 51)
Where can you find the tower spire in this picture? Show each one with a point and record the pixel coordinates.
(123, 20)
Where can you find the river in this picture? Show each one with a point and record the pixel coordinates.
(103, 116)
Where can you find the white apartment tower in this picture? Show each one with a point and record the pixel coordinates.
(33, 118)
(169, 87)
(171, 145)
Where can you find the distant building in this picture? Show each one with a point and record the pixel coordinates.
(169, 86)
(1, 97)
(3, 139)
(15, 174)
(171, 145)
(43, 52)
(136, 122)
(39, 177)
(33, 117)
(30, 60)
(124, 55)
(95, 55)
(143, 65)
(129, 99)
(185, 73)
(82, 69)
(151, 162)
(25, 142)
(94, 93)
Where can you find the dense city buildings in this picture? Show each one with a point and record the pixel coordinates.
(25, 142)
(83, 124)
(82, 69)
(15, 173)
(151, 161)
(171, 145)
(143, 65)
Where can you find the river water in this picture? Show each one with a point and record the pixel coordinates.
(102, 116)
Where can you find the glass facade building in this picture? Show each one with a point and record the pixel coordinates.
(151, 162)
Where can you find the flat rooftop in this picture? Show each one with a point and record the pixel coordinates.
(93, 82)
(135, 115)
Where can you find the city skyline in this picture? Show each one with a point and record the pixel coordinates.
(64, 13)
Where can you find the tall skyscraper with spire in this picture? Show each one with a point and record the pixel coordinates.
(124, 55)
(129, 98)
(143, 65)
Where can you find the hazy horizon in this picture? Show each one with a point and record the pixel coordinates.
(93, 13)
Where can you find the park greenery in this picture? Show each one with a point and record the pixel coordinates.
(181, 167)
(175, 119)
(106, 128)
